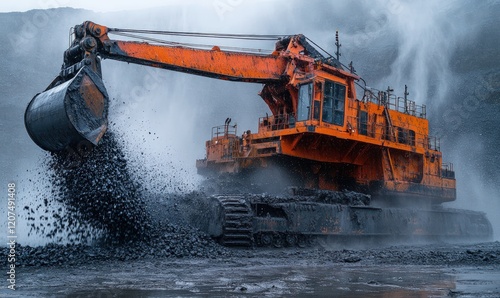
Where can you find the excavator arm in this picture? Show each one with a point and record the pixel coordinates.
(74, 106)
(214, 63)
(92, 39)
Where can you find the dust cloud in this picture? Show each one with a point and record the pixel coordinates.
(435, 43)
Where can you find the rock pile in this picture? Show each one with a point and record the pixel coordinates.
(97, 195)
(103, 214)
(170, 241)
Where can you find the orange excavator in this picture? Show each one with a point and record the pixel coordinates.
(341, 157)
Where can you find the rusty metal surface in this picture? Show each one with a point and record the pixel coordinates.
(326, 219)
(71, 112)
(281, 220)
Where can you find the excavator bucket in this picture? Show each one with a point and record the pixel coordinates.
(69, 113)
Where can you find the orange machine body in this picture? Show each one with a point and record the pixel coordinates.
(320, 132)
(379, 144)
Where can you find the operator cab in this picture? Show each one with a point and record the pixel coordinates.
(322, 100)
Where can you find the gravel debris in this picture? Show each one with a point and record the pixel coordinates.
(103, 215)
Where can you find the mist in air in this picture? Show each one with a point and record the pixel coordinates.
(444, 56)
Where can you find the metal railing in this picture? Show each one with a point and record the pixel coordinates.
(400, 104)
(434, 143)
(223, 131)
(399, 134)
(277, 122)
(377, 131)
(229, 148)
(447, 170)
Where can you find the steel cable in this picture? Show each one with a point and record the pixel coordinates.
(197, 45)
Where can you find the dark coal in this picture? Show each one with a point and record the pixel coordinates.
(98, 195)
(169, 242)
(98, 211)
(474, 254)
(352, 259)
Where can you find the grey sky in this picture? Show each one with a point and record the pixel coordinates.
(95, 5)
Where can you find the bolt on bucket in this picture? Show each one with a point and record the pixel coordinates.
(69, 113)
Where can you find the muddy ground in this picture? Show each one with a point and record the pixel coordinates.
(437, 270)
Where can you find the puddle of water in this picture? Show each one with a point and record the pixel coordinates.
(211, 278)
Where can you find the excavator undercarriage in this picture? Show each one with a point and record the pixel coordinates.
(298, 220)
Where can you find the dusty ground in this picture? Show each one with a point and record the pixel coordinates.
(395, 271)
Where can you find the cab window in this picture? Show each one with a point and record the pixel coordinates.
(363, 123)
(305, 97)
(333, 103)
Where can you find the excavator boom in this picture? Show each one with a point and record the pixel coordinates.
(233, 66)
(293, 58)
(215, 63)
